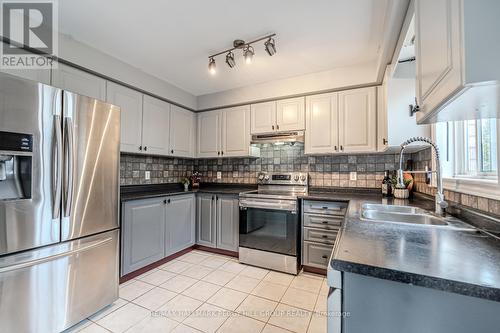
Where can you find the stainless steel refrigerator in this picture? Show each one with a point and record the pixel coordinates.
(59, 211)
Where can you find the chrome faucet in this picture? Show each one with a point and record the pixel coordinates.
(441, 204)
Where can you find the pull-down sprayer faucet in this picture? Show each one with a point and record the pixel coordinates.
(441, 204)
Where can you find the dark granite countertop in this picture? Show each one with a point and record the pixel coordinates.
(135, 192)
(461, 261)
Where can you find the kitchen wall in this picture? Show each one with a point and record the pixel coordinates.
(324, 171)
(163, 169)
(423, 158)
(98, 61)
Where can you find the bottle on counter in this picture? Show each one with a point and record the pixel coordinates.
(386, 185)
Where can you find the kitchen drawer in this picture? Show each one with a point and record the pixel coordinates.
(325, 207)
(316, 255)
(331, 222)
(320, 235)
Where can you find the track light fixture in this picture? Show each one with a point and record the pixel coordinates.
(230, 59)
(211, 66)
(248, 51)
(270, 46)
(248, 54)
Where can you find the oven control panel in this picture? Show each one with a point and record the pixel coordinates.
(283, 178)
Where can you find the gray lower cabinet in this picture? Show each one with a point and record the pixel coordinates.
(206, 220)
(143, 233)
(180, 224)
(228, 224)
(217, 221)
(321, 221)
(153, 229)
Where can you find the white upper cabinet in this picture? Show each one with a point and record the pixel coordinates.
(182, 132)
(290, 115)
(357, 120)
(155, 126)
(283, 115)
(263, 117)
(321, 135)
(236, 131)
(152, 126)
(455, 53)
(394, 122)
(209, 134)
(130, 103)
(225, 133)
(79, 82)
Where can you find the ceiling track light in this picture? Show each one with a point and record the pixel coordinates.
(270, 45)
(248, 51)
(230, 59)
(211, 66)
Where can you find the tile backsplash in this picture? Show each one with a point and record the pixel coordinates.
(162, 169)
(324, 171)
(423, 158)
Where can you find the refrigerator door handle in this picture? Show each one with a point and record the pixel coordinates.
(57, 169)
(69, 166)
(48, 258)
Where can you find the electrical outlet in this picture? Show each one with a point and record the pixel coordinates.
(147, 175)
(353, 175)
(219, 175)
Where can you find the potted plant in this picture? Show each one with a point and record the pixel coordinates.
(401, 192)
(185, 182)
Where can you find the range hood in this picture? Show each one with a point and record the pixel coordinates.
(281, 137)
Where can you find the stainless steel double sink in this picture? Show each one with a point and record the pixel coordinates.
(410, 215)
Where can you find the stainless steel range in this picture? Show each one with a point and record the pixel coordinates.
(269, 222)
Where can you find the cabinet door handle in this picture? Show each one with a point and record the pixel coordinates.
(140, 147)
(216, 198)
(172, 151)
(218, 153)
(272, 127)
(165, 201)
(212, 198)
(145, 148)
(335, 147)
(277, 127)
(342, 148)
(384, 141)
(168, 201)
(222, 152)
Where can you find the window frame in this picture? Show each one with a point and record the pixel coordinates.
(482, 185)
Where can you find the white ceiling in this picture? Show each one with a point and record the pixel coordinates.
(172, 39)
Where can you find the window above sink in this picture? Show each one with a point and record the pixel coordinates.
(469, 156)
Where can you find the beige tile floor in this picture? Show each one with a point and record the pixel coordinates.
(205, 292)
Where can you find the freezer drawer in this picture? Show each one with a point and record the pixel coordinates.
(53, 288)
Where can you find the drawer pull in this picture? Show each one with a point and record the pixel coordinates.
(324, 256)
(324, 236)
(324, 222)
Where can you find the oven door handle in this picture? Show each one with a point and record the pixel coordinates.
(292, 208)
